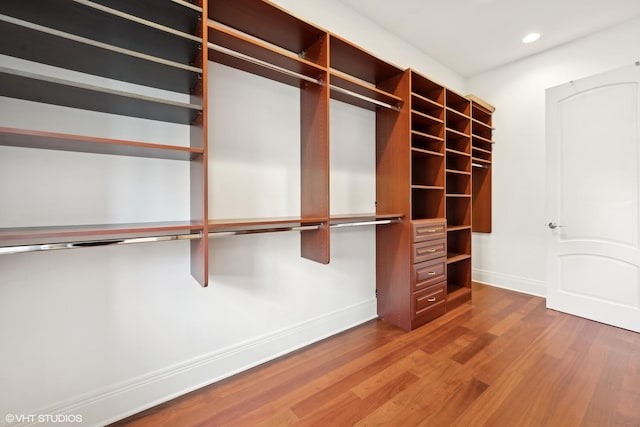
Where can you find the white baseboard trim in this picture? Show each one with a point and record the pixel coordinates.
(113, 403)
(513, 283)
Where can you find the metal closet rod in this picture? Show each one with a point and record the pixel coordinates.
(478, 165)
(362, 223)
(216, 234)
(364, 98)
(261, 63)
(6, 250)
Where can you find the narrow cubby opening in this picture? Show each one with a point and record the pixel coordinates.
(458, 103)
(458, 276)
(427, 142)
(458, 142)
(482, 130)
(427, 170)
(458, 184)
(458, 123)
(426, 106)
(427, 204)
(458, 163)
(426, 88)
(458, 211)
(458, 243)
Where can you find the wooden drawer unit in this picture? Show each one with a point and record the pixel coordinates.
(429, 273)
(429, 249)
(429, 229)
(429, 303)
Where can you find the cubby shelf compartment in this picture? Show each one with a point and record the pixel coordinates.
(51, 90)
(482, 131)
(458, 103)
(356, 76)
(42, 44)
(427, 89)
(97, 234)
(427, 203)
(89, 19)
(238, 50)
(427, 106)
(87, 144)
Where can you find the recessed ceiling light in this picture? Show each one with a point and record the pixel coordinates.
(530, 38)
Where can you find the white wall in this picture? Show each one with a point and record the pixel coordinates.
(513, 255)
(106, 332)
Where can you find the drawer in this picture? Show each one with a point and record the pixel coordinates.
(428, 298)
(430, 249)
(429, 230)
(429, 273)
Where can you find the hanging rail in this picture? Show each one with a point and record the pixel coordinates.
(362, 223)
(478, 165)
(6, 250)
(217, 234)
(364, 98)
(262, 63)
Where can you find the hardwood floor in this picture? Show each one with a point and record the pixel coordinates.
(502, 360)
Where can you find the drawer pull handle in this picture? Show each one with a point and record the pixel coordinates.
(431, 230)
(432, 250)
(431, 299)
(431, 273)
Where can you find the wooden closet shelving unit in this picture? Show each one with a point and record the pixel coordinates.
(481, 150)
(427, 136)
(155, 45)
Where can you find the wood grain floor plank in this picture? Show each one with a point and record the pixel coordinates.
(501, 360)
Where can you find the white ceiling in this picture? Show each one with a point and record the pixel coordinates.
(473, 36)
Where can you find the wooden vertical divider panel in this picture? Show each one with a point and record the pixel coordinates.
(314, 157)
(198, 167)
(393, 194)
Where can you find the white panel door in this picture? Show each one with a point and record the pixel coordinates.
(593, 184)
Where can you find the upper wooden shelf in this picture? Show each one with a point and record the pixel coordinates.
(171, 38)
(426, 88)
(458, 103)
(362, 217)
(14, 236)
(270, 23)
(87, 144)
(359, 94)
(50, 90)
(237, 50)
(44, 45)
(354, 61)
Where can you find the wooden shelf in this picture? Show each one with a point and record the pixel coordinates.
(426, 88)
(87, 144)
(89, 20)
(457, 114)
(272, 62)
(456, 195)
(343, 81)
(453, 152)
(457, 133)
(426, 136)
(452, 228)
(270, 23)
(363, 217)
(47, 234)
(458, 172)
(349, 59)
(454, 257)
(50, 90)
(425, 153)
(458, 103)
(42, 44)
(427, 106)
(425, 118)
(427, 187)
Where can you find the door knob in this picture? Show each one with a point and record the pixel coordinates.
(553, 226)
